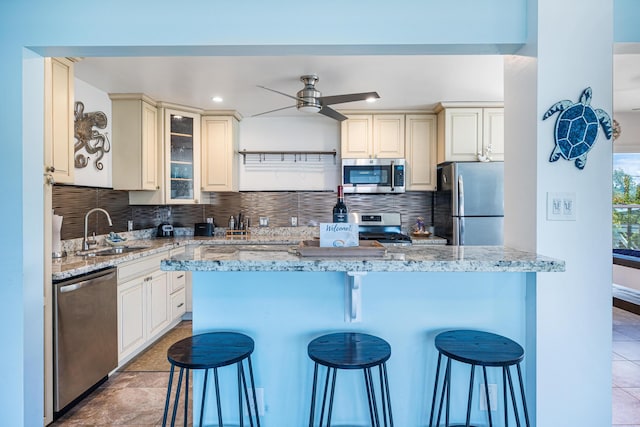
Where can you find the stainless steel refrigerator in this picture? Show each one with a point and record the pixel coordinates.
(469, 203)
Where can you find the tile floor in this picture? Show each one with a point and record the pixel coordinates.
(134, 396)
(626, 369)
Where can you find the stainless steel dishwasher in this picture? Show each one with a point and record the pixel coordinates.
(85, 333)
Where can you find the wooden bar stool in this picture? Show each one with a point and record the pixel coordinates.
(350, 350)
(485, 349)
(212, 351)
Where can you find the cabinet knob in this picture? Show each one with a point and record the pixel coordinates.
(50, 169)
(180, 305)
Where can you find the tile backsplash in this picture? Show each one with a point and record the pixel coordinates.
(73, 202)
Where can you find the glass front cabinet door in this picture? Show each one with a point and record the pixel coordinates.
(182, 139)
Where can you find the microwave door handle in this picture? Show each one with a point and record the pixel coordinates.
(393, 175)
(460, 196)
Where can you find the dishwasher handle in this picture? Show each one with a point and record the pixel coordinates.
(89, 281)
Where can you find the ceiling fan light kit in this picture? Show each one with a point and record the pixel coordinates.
(310, 100)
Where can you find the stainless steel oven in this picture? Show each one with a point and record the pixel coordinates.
(85, 333)
(373, 175)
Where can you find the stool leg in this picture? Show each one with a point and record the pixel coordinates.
(524, 400)
(486, 395)
(435, 391)
(240, 378)
(371, 396)
(368, 386)
(166, 402)
(217, 384)
(324, 396)
(246, 394)
(333, 392)
(186, 398)
(175, 401)
(204, 395)
(473, 371)
(313, 394)
(255, 399)
(386, 388)
(513, 398)
(445, 386)
(504, 396)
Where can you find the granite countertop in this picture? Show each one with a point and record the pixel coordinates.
(433, 258)
(74, 265)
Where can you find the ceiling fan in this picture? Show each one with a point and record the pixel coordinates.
(309, 99)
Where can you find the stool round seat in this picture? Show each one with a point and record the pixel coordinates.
(484, 349)
(479, 348)
(210, 350)
(349, 350)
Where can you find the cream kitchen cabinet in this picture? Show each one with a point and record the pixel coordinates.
(144, 310)
(136, 152)
(59, 119)
(464, 132)
(420, 152)
(178, 281)
(219, 153)
(373, 136)
(182, 154)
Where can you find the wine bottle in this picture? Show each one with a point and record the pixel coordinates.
(340, 211)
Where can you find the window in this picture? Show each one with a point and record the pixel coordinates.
(626, 200)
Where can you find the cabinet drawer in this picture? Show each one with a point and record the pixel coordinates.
(140, 267)
(178, 280)
(178, 304)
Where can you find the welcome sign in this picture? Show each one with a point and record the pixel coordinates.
(338, 235)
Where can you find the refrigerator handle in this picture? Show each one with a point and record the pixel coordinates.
(461, 231)
(460, 196)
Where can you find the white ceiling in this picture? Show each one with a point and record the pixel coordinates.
(403, 82)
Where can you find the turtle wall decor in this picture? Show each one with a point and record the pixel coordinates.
(88, 138)
(576, 128)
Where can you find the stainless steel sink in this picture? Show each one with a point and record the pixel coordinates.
(118, 250)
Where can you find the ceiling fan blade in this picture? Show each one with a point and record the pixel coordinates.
(339, 99)
(272, 111)
(330, 112)
(281, 93)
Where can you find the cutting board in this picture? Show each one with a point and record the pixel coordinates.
(367, 248)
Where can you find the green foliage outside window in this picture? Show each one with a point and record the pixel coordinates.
(626, 211)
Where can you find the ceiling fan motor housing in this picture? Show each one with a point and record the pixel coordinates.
(308, 97)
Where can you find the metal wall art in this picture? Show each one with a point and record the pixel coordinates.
(89, 139)
(577, 128)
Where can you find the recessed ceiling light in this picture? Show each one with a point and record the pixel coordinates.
(372, 99)
(217, 99)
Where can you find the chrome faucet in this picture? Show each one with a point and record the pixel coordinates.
(85, 241)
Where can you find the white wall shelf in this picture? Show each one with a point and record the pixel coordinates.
(302, 156)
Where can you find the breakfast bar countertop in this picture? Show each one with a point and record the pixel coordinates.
(435, 258)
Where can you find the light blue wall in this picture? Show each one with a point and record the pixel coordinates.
(80, 28)
(283, 312)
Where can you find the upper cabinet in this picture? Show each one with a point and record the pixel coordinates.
(182, 152)
(59, 119)
(420, 152)
(373, 136)
(171, 154)
(136, 154)
(219, 153)
(406, 136)
(464, 132)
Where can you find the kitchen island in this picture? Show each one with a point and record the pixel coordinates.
(407, 297)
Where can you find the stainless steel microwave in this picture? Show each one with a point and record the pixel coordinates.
(373, 175)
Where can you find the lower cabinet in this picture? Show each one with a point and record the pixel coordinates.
(150, 301)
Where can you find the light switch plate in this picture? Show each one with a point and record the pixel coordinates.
(561, 206)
